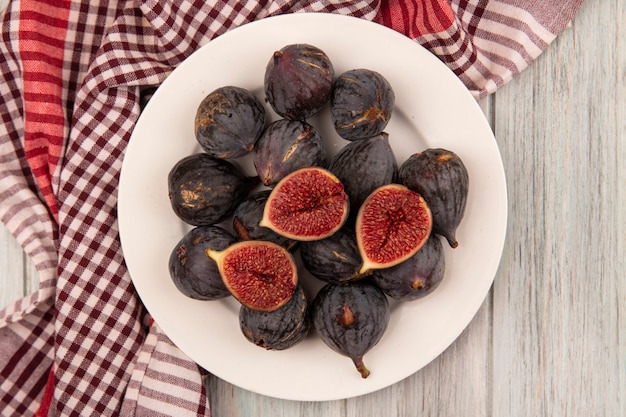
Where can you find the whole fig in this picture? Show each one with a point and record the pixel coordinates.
(361, 104)
(417, 276)
(193, 273)
(364, 165)
(298, 81)
(204, 190)
(246, 220)
(285, 146)
(351, 319)
(333, 259)
(228, 122)
(440, 176)
(279, 329)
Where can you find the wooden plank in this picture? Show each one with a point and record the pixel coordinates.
(558, 315)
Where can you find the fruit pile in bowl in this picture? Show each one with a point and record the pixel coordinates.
(368, 228)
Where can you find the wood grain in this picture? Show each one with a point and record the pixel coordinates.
(550, 339)
(558, 322)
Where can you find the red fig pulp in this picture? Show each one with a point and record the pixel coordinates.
(308, 204)
(392, 225)
(261, 275)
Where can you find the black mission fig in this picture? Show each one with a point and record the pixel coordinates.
(361, 104)
(194, 274)
(364, 165)
(204, 190)
(228, 122)
(440, 176)
(333, 259)
(279, 329)
(416, 277)
(285, 146)
(298, 81)
(351, 319)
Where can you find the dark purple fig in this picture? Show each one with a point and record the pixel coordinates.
(361, 104)
(417, 276)
(298, 81)
(364, 165)
(351, 319)
(228, 122)
(246, 220)
(193, 273)
(333, 259)
(204, 190)
(440, 176)
(279, 329)
(285, 146)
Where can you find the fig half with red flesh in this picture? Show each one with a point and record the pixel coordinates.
(261, 275)
(392, 225)
(308, 204)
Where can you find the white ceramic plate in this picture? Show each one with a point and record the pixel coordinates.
(433, 109)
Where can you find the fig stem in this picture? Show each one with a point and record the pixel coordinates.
(365, 267)
(452, 240)
(214, 254)
(360, 366)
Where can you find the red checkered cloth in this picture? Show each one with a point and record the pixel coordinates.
(74, 75)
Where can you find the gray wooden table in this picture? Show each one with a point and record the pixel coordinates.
(550, 338)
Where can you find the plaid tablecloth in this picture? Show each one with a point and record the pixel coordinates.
(74, 74)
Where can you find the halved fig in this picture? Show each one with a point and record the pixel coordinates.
(261, 275)
(246, 220)
(308, 204)
(392, 225)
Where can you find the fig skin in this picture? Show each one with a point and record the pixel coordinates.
(416, 277)
(361, 104)
(333, 259)
(393, 223)
(279, 329)
(440, 176)
(261, 275)
(204, 190)
(298, 81)
(308, 204)
(285, 146)
(228, 122)
(194, 274)
(351, 319)
(246, 220)
(364, 165)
